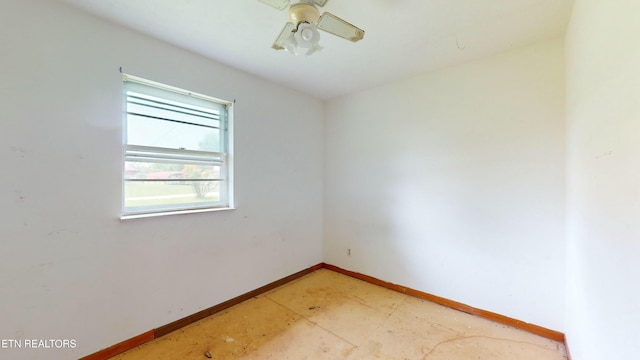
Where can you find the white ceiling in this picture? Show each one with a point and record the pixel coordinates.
(403, 37)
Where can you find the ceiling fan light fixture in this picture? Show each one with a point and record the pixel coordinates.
(302, 12)
(290, 45)
(313, 49)
(306, 36)
(301, 32)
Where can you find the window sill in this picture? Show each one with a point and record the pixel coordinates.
(177, 212)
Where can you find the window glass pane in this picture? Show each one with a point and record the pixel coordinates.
(147, 132)
(170, 171)
(152, 121)
(170, 194)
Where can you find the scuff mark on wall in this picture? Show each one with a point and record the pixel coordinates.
(20, 197)
(605, 154)
(19, 150)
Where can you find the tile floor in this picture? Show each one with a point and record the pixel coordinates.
(327, 315)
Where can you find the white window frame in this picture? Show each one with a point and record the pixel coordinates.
(224, 158)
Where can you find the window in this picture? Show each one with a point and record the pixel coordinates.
(177, 147)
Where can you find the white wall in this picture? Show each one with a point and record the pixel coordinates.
(68, 267)
(453, 183)
(603, 206)
(450, 182)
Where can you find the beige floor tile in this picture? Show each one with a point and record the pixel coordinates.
(468, 325)
(324, 298)
(482, 347)
(421, 330)
(304, 340)
(403, 336)
(327, 315)
(255, 329)
(355, 328)
(325, 287)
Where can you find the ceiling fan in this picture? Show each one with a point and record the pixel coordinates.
(305, 20)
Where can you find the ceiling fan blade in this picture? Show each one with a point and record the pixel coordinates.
(284, 35)
(320, 2)
(278, 4)
(336, 26)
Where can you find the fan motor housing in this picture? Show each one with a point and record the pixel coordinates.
(303, 13)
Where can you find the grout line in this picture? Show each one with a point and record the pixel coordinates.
(311, 321)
